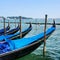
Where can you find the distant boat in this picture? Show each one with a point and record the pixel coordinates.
(18, 48)
(16, 35)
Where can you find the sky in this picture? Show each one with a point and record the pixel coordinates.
(30, 8)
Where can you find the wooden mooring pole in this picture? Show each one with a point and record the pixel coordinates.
(20, 27)
(15, 22)
(4, 26)
(44, 47)
(8, 23)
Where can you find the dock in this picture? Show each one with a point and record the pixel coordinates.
(43, 23)
(33, 23)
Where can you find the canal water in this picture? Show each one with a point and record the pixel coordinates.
(52, 43)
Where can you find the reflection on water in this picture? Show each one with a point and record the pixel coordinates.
(35, 57)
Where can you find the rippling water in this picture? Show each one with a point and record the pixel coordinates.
(52, 43)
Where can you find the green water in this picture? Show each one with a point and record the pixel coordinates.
(52, 43)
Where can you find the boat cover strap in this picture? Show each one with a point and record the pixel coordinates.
(11, 43)
(4, 47)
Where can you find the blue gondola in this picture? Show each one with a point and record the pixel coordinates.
(12, 31)
(12, 49)
(2, 30)
(16, 35)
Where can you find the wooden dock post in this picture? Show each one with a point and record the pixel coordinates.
(4, 26)
(8, 23)
(20, 27)
(44, 47)
(15, 22)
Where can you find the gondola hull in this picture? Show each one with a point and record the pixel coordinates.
(16, 35)
(23, 34)
(12, 31)
(2, 30)
(25, 50)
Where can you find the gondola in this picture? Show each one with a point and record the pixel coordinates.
(2, 30)
(26, 31)
(16, 35)
(21, 47)
(12, 31)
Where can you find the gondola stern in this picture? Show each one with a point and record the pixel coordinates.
(30, 24)
(54, 25)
